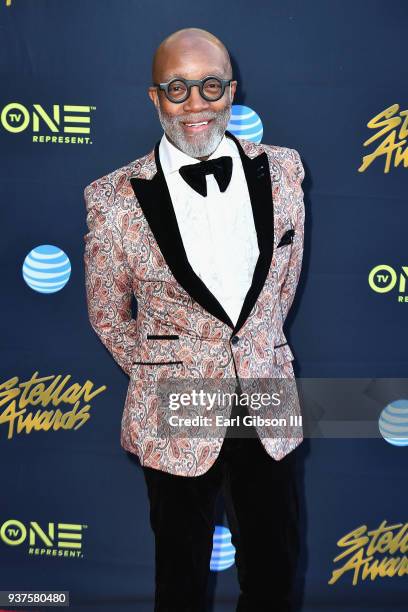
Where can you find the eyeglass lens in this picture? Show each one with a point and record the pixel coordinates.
(212, 89)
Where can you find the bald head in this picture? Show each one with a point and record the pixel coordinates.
(182, 48)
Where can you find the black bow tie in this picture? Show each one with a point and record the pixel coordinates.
(194, 174)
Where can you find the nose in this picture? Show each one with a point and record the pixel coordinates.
(195, 103)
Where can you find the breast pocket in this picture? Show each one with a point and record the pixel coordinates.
(286, 239)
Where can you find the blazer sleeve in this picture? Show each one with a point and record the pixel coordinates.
(289, 285)
(108, 279)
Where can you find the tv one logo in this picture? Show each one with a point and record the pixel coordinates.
(62, 124)
(384, 278)
(55, 540)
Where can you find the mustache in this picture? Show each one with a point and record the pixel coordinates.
(195, 118)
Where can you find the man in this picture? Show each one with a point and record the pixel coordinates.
(206, 230)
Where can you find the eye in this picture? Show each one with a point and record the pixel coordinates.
(177, 87)
(213, 85)
(212, 88)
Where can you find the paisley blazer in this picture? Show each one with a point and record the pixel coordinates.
(181, 331)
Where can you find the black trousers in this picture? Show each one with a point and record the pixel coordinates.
(262, 506)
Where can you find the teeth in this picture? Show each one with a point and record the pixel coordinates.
(194, 124)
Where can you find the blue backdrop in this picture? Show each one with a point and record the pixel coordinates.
(74, 106)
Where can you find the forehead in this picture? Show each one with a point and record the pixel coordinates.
(192, 62)
(193, 74)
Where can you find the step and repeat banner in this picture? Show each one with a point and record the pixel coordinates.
(326, 78)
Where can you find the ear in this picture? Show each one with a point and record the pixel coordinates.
(152, 92)
(232, 89)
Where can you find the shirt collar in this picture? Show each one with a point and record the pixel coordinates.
(171, 158)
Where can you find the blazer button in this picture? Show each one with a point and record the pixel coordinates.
(234, 339)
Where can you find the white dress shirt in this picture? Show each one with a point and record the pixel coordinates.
(218, 231)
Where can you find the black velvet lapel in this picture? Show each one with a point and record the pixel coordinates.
(154, 199)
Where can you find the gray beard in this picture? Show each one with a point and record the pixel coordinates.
(204, 143)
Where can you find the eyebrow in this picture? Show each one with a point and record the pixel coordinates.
(216, 73)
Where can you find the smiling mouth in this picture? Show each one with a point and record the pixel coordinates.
(202, 122)
(197, 126)
(198, 123)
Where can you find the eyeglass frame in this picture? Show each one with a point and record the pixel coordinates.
(190, 83)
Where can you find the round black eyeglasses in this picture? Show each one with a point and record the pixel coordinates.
(178, 90)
